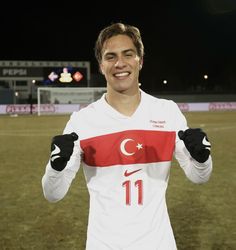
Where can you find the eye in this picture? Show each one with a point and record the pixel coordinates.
(129, 54)
(109, 57)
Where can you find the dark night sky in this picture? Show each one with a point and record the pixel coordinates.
(182, 39)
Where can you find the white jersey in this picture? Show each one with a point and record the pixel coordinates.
(126, 162)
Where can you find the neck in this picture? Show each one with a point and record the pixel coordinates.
(124, 103)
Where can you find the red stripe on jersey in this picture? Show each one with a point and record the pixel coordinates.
(128, 147)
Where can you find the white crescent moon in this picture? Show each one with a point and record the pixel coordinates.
(122, 147)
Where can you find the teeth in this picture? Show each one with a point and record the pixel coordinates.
(122, 74)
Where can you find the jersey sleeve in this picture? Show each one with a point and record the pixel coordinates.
(56, 184)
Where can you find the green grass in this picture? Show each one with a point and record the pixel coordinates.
(202, 216)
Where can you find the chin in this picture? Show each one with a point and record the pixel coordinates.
(127, 88)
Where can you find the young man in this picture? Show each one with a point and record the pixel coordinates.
(125, 142)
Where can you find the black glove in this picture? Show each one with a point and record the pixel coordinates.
(61, 150)
(197, 143)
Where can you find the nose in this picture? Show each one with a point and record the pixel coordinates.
(120, 63)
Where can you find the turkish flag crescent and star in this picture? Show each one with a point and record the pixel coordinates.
(129, 147)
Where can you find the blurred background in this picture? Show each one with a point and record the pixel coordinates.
(189, 45)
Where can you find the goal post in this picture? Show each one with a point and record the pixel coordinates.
(54, 100)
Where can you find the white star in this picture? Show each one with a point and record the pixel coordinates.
(139, 146)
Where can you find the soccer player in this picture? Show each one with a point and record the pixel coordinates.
(125, 142)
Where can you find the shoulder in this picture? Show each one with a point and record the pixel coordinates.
(86, 116)
(86, 110)
(160, 102)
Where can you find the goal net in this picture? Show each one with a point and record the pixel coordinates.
(53, 100)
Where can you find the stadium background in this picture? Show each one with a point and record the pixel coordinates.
(184, 40)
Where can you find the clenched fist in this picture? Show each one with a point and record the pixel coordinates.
(61, 150)
(197, 143)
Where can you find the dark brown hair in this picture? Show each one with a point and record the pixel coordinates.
(119, 29)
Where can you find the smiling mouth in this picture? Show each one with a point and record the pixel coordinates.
(122, 74)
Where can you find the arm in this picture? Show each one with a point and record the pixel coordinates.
(55, 183)
(193, 157)
(197, 172)
(62, 166)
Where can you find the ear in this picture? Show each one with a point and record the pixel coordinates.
(101, 69)
(141, 64)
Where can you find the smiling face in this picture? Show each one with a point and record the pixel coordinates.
(120, 64)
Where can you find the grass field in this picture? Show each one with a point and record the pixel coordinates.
(203, 216)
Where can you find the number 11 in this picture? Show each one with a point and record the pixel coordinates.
(139, 185)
